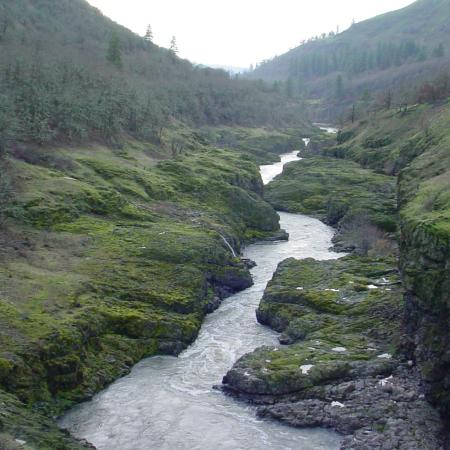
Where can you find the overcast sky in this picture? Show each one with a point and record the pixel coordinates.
(239, 32)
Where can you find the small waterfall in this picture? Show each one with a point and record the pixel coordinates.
(224, 239)
(306, 141)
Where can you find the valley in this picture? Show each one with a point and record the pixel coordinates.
(190, 259)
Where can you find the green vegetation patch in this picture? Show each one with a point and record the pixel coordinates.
(116, 255)
(335, 191)
(340, 318)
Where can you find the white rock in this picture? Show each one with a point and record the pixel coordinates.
(385, 381)
(385, 356)
(306, 368)
(372, 286)
(70, 178)
(268, 361)
(19, 441)
(339, 349)
(339, 404)
(332, 290)
(246, 374)
(299, 288)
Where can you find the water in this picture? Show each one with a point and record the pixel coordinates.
(328, 128)
(168, 403)
(269, 172)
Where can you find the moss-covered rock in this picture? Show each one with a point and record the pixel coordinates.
(22, 428)
(115, 257)
(336, 330)
(331, 189)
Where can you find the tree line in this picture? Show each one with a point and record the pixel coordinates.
(356, 60)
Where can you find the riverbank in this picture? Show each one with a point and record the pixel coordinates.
(345, 360)
(109, 256)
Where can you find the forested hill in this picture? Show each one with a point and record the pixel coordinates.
(69, 73)
(392, 52)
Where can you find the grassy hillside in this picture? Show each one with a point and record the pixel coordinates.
(392, 52)
(67, 73)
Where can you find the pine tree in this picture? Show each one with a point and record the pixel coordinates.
(114, 54)
(289, 88)
(339, 87)
(439, 51)
(149, 34)
(173, 45)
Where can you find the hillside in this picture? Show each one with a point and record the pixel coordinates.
(71, 74)
(392, 52)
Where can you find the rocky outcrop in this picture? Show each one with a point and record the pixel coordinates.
(372, 413)
(426, 273)
(342, 322)
(424, 200)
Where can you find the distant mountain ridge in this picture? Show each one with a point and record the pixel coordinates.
(393, 51)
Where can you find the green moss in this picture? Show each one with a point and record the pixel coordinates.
(334, 190)
(335, 330)
(119, 257)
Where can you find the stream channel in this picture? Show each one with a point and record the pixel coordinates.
(169, 403)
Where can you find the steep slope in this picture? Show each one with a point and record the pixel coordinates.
(389, 52)
(415, 146)
(69, 73)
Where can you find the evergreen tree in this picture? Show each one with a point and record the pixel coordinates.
(339, 87)
(149, 34)
(114, 54)
(173, 45)
(290, 88)
(439, 51)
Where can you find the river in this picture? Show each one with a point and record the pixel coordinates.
(169, 403)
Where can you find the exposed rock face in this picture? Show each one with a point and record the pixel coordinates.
(426, 273)
(424, 200)
(342, 320)
(390, 413)
(231, 278)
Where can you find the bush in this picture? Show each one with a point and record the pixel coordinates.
(336, 210)
(344, 136)
(5, 191)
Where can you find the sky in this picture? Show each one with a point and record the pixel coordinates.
(238, 33)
